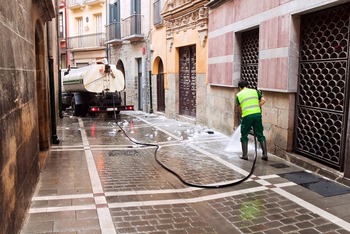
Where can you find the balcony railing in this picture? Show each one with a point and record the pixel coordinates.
(114, 32)
(93, 2)
(87, 41)
(72, 4)
(129, 29)
(132, 26)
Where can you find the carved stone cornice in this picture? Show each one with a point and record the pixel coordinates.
(180, 15)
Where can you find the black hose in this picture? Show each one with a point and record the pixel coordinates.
(180, 178)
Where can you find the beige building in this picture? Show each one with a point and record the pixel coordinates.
(86, 35)
(28, 106)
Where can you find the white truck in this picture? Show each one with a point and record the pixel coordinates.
(94, 88)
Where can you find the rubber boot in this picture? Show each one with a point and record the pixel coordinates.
(264, 150)
(244, 155)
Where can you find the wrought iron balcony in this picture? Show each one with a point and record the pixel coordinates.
(114, 33)
(74, 4)
(129, 29)
(89, 41)
(132, 28)
(94, 2)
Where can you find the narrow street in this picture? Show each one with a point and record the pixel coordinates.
(99, 181)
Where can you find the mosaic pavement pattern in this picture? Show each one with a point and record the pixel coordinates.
(99, 181)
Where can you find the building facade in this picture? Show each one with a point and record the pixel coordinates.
(28, 77)
(296, 53)
(128, 36)
(62, 30)
(179, 59)
(86, 32)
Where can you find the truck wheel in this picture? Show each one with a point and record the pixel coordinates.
(84, 110)
(76, 109)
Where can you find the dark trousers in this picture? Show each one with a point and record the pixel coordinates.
(249, 121)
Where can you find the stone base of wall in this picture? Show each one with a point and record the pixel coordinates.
(221, 112)
(314, 166)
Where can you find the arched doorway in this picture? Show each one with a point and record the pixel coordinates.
(120, 67)
(160, 87)
(41, 89)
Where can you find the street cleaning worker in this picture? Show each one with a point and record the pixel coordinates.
(250, 102)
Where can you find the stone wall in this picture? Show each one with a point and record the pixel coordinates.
(22, 27)
(128, 54)
(278, 120)
(220, 109)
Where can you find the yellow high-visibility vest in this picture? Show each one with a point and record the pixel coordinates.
(249, 101)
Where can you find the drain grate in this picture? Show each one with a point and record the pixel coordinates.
(279, 165)
(114, 153)
(316, 183)
(301, 177)
(327, 188)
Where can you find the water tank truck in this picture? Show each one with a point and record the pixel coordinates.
(95, 88)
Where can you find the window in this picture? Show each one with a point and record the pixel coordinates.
(61, 25)
(135, 7)
(114, 12)
(80, 31)
(157, 7)
(79, 26)
(98, 20)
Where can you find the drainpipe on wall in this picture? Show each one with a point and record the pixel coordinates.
(107, 22)
(54, 136)
(55, 139)
(149, 55)
(150, 91)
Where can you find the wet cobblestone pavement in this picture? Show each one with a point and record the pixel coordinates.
(98, 181)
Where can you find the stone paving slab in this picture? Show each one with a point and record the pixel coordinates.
(97, 181)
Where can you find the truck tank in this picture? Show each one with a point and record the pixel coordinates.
(95, 78)
(95, 88)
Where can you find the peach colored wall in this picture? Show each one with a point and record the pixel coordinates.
(160, 51)
(189, 37)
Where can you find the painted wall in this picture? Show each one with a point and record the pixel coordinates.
(24, 114)
(184, 24)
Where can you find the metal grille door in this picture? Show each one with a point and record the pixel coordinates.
(188, 81)
(323, 86)
(250, 57)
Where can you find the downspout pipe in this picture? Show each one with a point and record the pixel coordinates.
(54, 136)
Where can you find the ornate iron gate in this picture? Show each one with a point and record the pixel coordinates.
(323, 86)
(187, 81)
(250, 57)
